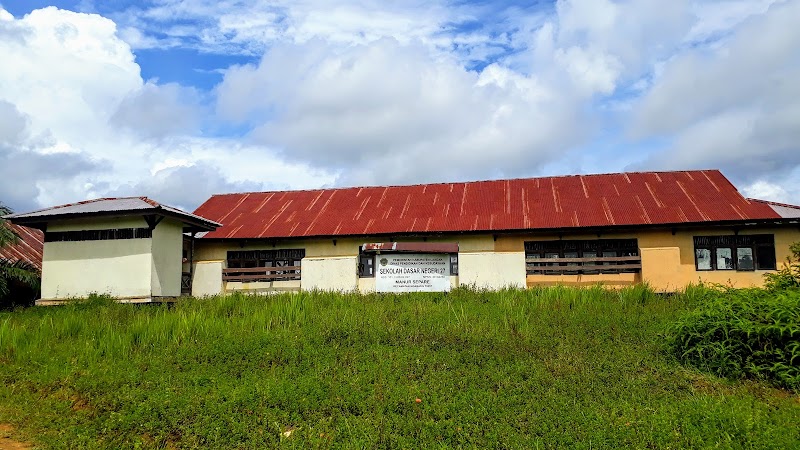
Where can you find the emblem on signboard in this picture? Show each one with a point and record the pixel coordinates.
(384, 261)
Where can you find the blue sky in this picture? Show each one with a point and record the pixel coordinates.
(179, 100)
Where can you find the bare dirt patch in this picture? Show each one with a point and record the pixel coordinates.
(9, 443)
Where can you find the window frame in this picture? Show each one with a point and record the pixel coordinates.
(247, 259)
(585, 248)
(759, 244)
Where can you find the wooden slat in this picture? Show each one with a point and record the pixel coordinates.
(277, 276)
(259, 269)
(584, 268)
(592, 259)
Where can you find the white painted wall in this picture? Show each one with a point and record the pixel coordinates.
(207, 278)
(121, 268)
(329, 274)
(492, 270)
(263, 286)
(167, 258)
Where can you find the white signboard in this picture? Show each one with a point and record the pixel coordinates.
(412, 272)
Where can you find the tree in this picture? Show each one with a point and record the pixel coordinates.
(14, 272)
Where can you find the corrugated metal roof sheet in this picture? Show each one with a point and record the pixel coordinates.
(621, 199)
(784, 210)
(106, 206)
(29, 248)
(93, 206)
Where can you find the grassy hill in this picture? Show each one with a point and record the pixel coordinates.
(544, 368)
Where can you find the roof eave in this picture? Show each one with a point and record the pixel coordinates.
(556, 230)
(40, 221)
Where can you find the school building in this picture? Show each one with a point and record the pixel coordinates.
(667, 229)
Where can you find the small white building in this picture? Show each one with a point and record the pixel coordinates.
(130, 248)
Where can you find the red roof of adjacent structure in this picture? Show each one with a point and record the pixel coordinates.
(622, 199)
(28, 249)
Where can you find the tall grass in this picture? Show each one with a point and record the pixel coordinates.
(540, 368)
(743, 333)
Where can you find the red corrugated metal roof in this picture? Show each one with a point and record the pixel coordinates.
(621, 199)
(29, 248)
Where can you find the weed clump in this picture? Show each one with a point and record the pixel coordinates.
(788, 276)
(742, 333)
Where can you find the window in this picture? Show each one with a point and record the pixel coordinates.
(454, 264)
(251, 259)
(366, 265)
(742, 253)
(582, 256)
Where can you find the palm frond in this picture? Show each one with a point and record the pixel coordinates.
(7, 235)
(20, 271)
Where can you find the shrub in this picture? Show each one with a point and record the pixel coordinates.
(743, 333)
(789, 275)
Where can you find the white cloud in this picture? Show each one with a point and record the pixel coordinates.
(766, 190)
(85, 124)
(352, 92)
(736, 106)
(26, 163)
(387, 112)
(247, 27)
(156, 111)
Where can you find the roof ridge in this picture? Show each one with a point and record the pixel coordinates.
(546, 177)
(770, 202)
(93, 200)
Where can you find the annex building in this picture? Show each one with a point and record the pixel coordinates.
(667, 229)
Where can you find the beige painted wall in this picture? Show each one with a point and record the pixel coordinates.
(667, 259)
(316, 248)
(167, 258)
(664, 275)
(330, 274)
(121, 268)
(218, 251)
(610, 280)
(661, 268)
(492, 270)
(207, 279)
(497, 261)
(262, 286)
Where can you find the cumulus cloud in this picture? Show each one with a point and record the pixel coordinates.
(85, 124)
(185, 186)
(363, 92)
(234, 26)
(24, 165)
(766, 190)
(735, 106)
(159, 110)
(390, 112)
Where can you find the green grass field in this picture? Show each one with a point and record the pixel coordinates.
(545, 368)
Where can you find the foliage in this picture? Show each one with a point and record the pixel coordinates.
(7, 235)
(14, 272)
(544, 368)
(743, 333)
(788, 276)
